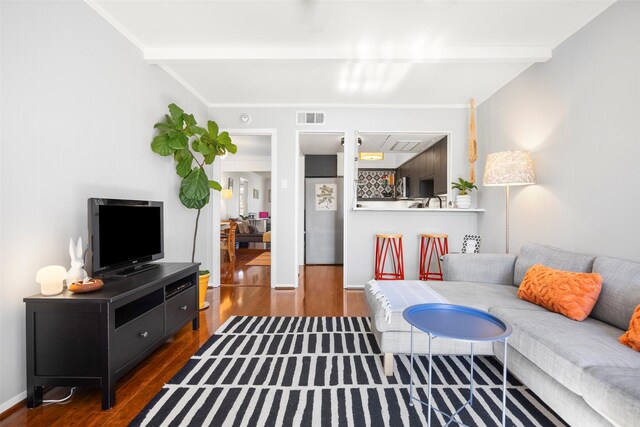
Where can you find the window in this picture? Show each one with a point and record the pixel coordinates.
(243, 199)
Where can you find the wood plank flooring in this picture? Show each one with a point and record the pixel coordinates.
(238, 273)
(320, 294)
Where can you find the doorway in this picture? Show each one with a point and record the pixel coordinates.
(247, 212)
(322, 195)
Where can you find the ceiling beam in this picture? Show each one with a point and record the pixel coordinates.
(526, 54)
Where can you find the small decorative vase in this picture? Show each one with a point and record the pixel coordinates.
(463, 202)
(204, 282)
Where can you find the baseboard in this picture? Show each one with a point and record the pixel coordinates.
(5, 406)
(285, 287)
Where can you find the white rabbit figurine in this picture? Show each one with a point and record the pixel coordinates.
(76, 273)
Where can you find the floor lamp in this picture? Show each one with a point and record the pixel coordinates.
(507, 168)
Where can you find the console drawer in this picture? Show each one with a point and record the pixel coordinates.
(134, 338)
(181, 307)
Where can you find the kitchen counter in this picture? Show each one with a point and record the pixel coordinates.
(396, 217)
(402, 209)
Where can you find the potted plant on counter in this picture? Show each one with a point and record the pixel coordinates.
(180, 136)
(463, 199)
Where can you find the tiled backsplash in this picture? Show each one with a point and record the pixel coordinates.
(372, 185)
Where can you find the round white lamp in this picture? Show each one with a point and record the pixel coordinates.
(51, 279)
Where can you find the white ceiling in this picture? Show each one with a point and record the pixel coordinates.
(319, 143)
(398, 147)
(395, 142)
(347, 52)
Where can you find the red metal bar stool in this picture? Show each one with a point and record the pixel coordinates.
(432, 245)
(389, 245)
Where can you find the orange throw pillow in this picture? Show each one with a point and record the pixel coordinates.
(571, 294)
(632, 337)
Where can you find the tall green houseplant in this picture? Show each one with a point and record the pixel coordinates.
(180, 136)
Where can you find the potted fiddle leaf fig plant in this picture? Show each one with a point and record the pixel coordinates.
(463, 199)
(192, 147)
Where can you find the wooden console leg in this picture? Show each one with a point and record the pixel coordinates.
(388, 364)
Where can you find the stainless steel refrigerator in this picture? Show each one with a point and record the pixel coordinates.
(323, 220)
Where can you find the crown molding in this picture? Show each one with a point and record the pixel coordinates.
(464, 54)
(338, 105)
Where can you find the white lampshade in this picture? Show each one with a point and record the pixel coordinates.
(509, 168)
(51, 279)
(227, 193)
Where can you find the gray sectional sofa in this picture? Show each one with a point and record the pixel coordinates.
(578, 368)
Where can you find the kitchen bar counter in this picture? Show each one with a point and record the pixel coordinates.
(395, 217)
(417, 210)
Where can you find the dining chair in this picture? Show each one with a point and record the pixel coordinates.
(228, 241)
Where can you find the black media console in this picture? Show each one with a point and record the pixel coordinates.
(93, 339)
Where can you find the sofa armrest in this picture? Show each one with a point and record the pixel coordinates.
(480, 268)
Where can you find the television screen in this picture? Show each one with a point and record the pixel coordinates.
(124, 233)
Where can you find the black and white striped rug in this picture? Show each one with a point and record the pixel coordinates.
(326, 371)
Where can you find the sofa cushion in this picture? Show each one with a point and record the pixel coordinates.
(564, 348)
(568, 293)
(620, 293)
(477, 295)
(480, 268)
(614, 392)
(631, 338)
(534, 253)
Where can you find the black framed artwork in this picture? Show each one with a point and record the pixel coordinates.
(471, 244)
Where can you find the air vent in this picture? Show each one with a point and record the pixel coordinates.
(405, 145)
(310, 117)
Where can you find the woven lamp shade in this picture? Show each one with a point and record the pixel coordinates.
(509, 168)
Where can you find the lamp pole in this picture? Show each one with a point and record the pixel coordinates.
(506, 190)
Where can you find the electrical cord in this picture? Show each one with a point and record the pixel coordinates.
(73, 389)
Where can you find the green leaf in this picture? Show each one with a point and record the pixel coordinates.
(162, 126)
(232, 148)
(224, 138)
(160, 145)
(213, 128)
(182, 154)
(214, 185)
(178, 140)
(195, 185)
(209, 158)
(194, 203)
(183, 167)
(177, 115)
(189, 120)
(204, 148)
(197, 130)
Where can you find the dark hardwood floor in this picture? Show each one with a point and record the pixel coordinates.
(320, 294)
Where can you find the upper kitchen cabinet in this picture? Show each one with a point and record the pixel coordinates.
(416, 161)
(440, 181)
(426, 164)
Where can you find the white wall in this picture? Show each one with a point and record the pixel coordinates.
(234, 163)
(283, 119)
(578, 116)
(229, 208)
(78, 107)
(300, 208)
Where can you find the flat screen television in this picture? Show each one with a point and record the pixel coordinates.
(124, 235)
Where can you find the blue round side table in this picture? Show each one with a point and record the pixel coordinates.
(461, 323)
